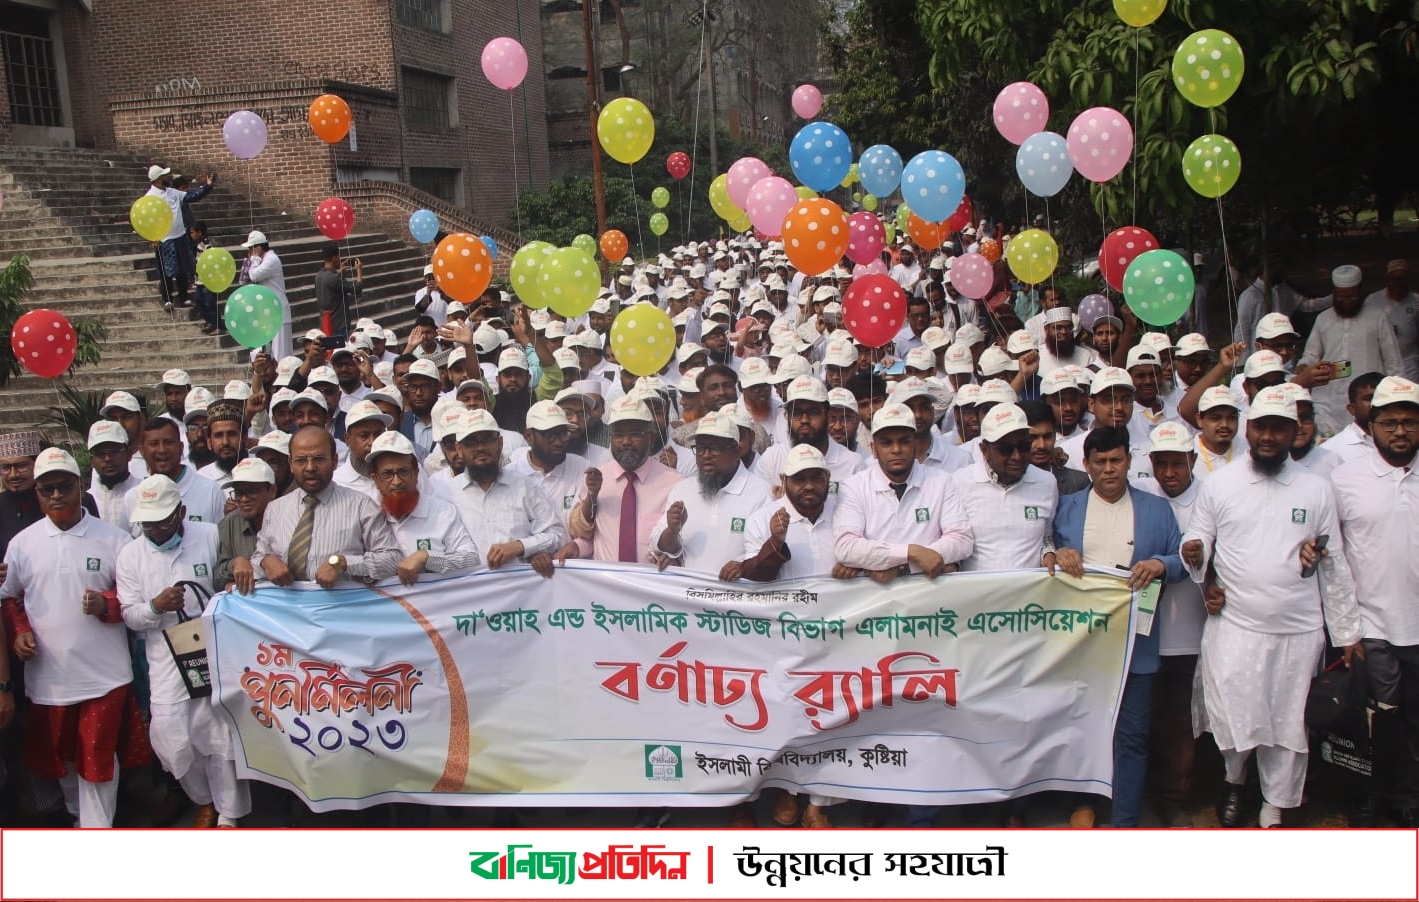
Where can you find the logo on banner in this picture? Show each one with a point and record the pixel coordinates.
(923, 515)
(424, 545)
(1298, 515)
(92, 564)
(618, 862)
(662, 763)
(1032, 513)
(199, 569)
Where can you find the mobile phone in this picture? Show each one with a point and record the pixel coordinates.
(1322, 540)
(1342, 369)
(331, 342)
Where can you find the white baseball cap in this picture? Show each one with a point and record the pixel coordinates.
(806, 388)
(282, 396)
(107, 432)
(802, 457)
(1056, 381)
(1021, 342)
(967, 395)
(1216, 396)
(1275, 325)
(512, 359)
(475, 421)
(1272, 402)
(322, 375)
(716, 425)
(52, 460)
(254, 238)
(1002, 420)
(1394, 390)
(959, 360)
(893, 416)
(392, 442)
(566, 359)
(156, 172)
(970, 334)
(1110, 377)
(555, 329)
(627, 408)
(286, 369)
(255, 471)
(1170, 436)
(790, 368)
(1262, 363)
(1158, 341)
(1191, 343)
(908, 388)
(936, 338)
(120, 400)
(994, 360)
(840, 353)
(1298, 393)
(175, 377)
(546, 415)
(1142, 355)
(236, 390)
(196, 404)
(457, 355)
(841, 397)
(754, 371)
(456, 308)
(998, 391)
(687, 350)
(424, 368)
(689, 382)
(920, 358)
(275, 440)
(158, 497)
(310, 396)
(365, 409)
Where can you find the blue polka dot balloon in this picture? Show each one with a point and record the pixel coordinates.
(820, 155)
(933, 183)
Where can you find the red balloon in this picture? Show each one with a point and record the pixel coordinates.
(44, 342)
(965, 214)
(334, 218)
(678, 164)
(1120, 249)
(873, 309)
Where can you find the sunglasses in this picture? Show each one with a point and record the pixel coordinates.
(1010, 449)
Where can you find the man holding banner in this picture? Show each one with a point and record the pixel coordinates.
(430, 532)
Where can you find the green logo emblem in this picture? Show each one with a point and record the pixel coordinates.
(1298, 515)
(193, 518)
(92, 564)
(1032, 513)
(832, 488)
(736, 525)
(923, 515)
(567, 501)
(663, 762)
(424, 545)
(199, 569)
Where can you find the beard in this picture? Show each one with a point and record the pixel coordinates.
(227, 463)
(1058, 348)
(629, 460)
(399, 506)
(359, 464)
(711, 484)
(65, 514)
(489, 474)
(201, 457)
(1268, 466)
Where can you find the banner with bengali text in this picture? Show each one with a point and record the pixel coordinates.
(621, 686)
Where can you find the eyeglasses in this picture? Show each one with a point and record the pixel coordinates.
(481, 439)
(702, 448)
(310, 461)
(1396, 425)
(1013, 448)
(56, 488)
(108, 451)
(403, 474)
(22, 467)
(164, 523)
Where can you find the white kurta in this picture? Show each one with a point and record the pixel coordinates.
(1181, 614)
(1404, 317)
(1377, 505)
(110, 500)
(1010, 522)
(714, 529)
(1367, 341)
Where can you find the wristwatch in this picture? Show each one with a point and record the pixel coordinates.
(7, 685)
(335, 561)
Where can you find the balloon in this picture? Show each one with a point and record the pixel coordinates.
(769, 202)
(569, 280)
(807, 101)
(660, 197)
(245, 134)
(1032, 256)
(1100, 143)
(586, 244)
(928, 235)
(851, 178)
(504, 63)
(743, 175)
(1021, 110)
(626, 129)
(252, 315)
(1042, 163)
(491, 244)
(876, 267)
(805, 193)
(1139, 13)
(659, 224)
(874, 308)
(216, 269)
(1091, 308)
(891, 231)
(815, 236)
(1121, 247)
(335, 218)
(880, 169)
(965, 215)
(644, 339)
(523, 272)
(1211, 165)
(44, 341)
(820, 155)
(869, 202)
(151, 217)
(614, 245)
(973, 276)
(723, 207)
(424, 226)
(904, 215)
(678, 165)
(1207, 67)
(933, 183)
(866, 238)
(329, 118)
(1158, 286)
(990, 249)
(462, 267)
(740, 223)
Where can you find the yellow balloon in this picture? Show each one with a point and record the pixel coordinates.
(805, 193)
(869, 202)
(1139, 13)
(723, 207)
(1033, 256)
(741, 222)
(626, 129)
(643, 338)
(151, 217)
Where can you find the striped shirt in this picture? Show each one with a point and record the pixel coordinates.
(346, 522)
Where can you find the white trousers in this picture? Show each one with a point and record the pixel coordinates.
(94, 804)
(1282, 772)
(213, 781)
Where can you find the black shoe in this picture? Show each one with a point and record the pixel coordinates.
(1229, 806)
(1365, 812)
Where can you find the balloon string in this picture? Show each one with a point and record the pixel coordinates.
(59, 406)
(1226, 252)
(512, 133)
(635, 199)
(1136, 83)
(250, 192)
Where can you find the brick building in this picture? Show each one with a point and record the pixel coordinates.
(161, 81)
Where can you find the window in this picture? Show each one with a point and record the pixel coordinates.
(445, 184)
(429, 101)
(33, 80)
(611, 78)
(425, 14)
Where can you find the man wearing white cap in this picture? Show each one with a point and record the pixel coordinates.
(203, 499)
(429, 300)
(253, 488)
(581, 403)
(1257, 524)
(429, 529)
(1376, 497)
(63, 620)
(274, 449)
(1059, 348)
(262, 267)
(1218, 441)
(1010, 503)
(163, 578)
(1401, 304)
(1111, 404)
(933, 449)
(806, 419)
(1285, 301)
(113, 478)
(1357, 336)
(422, 386)
(1116, 525)
(546, 459)
(508, 515)
(1304, 450)
(702, 525)
(363, 424)
(1354, 440)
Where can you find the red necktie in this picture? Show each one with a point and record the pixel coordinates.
(628, 521)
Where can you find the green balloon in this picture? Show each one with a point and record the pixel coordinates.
(1207, 67)
(903, 217)
(869, 202)
(660, 197)
(569, 280)
(891, 231)
(659, 223)
(216, 269)
(523, 272)
(585, 243)
(1212, 164)
(253, 315)
(1158, 286)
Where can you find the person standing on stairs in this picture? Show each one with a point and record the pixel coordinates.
(334, 293)
(264, 268)
(174, 252)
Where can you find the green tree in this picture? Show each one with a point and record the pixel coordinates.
(15, 280)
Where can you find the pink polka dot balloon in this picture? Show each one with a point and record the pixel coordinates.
(744, 172)
(1021, 110)
(504, 63)
(866, 238)
(875, 268)
(1120, 248)
(768, 202)
(972, 275)
(1100, 143)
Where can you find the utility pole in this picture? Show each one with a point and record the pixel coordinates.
(714, 111)
(593, 101)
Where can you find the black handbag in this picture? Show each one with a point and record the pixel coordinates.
(1337, 694)
(188, 644)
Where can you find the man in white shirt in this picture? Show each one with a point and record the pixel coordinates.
(1375, 497)
(1350, 333)
(1009, 503)
(363, 424)
(265, 269)
(345, 361)
(1304, 450)
(907, 273)
(1257, 524)
(226, 439)
(1354, 440)
(702, 526)
(203, 499)
(1401, 304)
(806, 419)
(1111, 404)
(428, 528)
(933, 449)
(1145, 368)
(429, 300)
(546, 459)
(193, 743)
(1217, 443)
(113, 478)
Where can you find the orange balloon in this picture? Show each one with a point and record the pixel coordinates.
(329, 118)
(463, 267)
(815, 236)
(990, 249)
(614, 245)
(928, 235)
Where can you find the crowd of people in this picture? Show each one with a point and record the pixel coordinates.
(1266, 484)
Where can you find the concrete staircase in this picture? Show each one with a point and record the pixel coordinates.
(67, 210)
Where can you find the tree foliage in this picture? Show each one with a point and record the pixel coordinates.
(15, 280)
